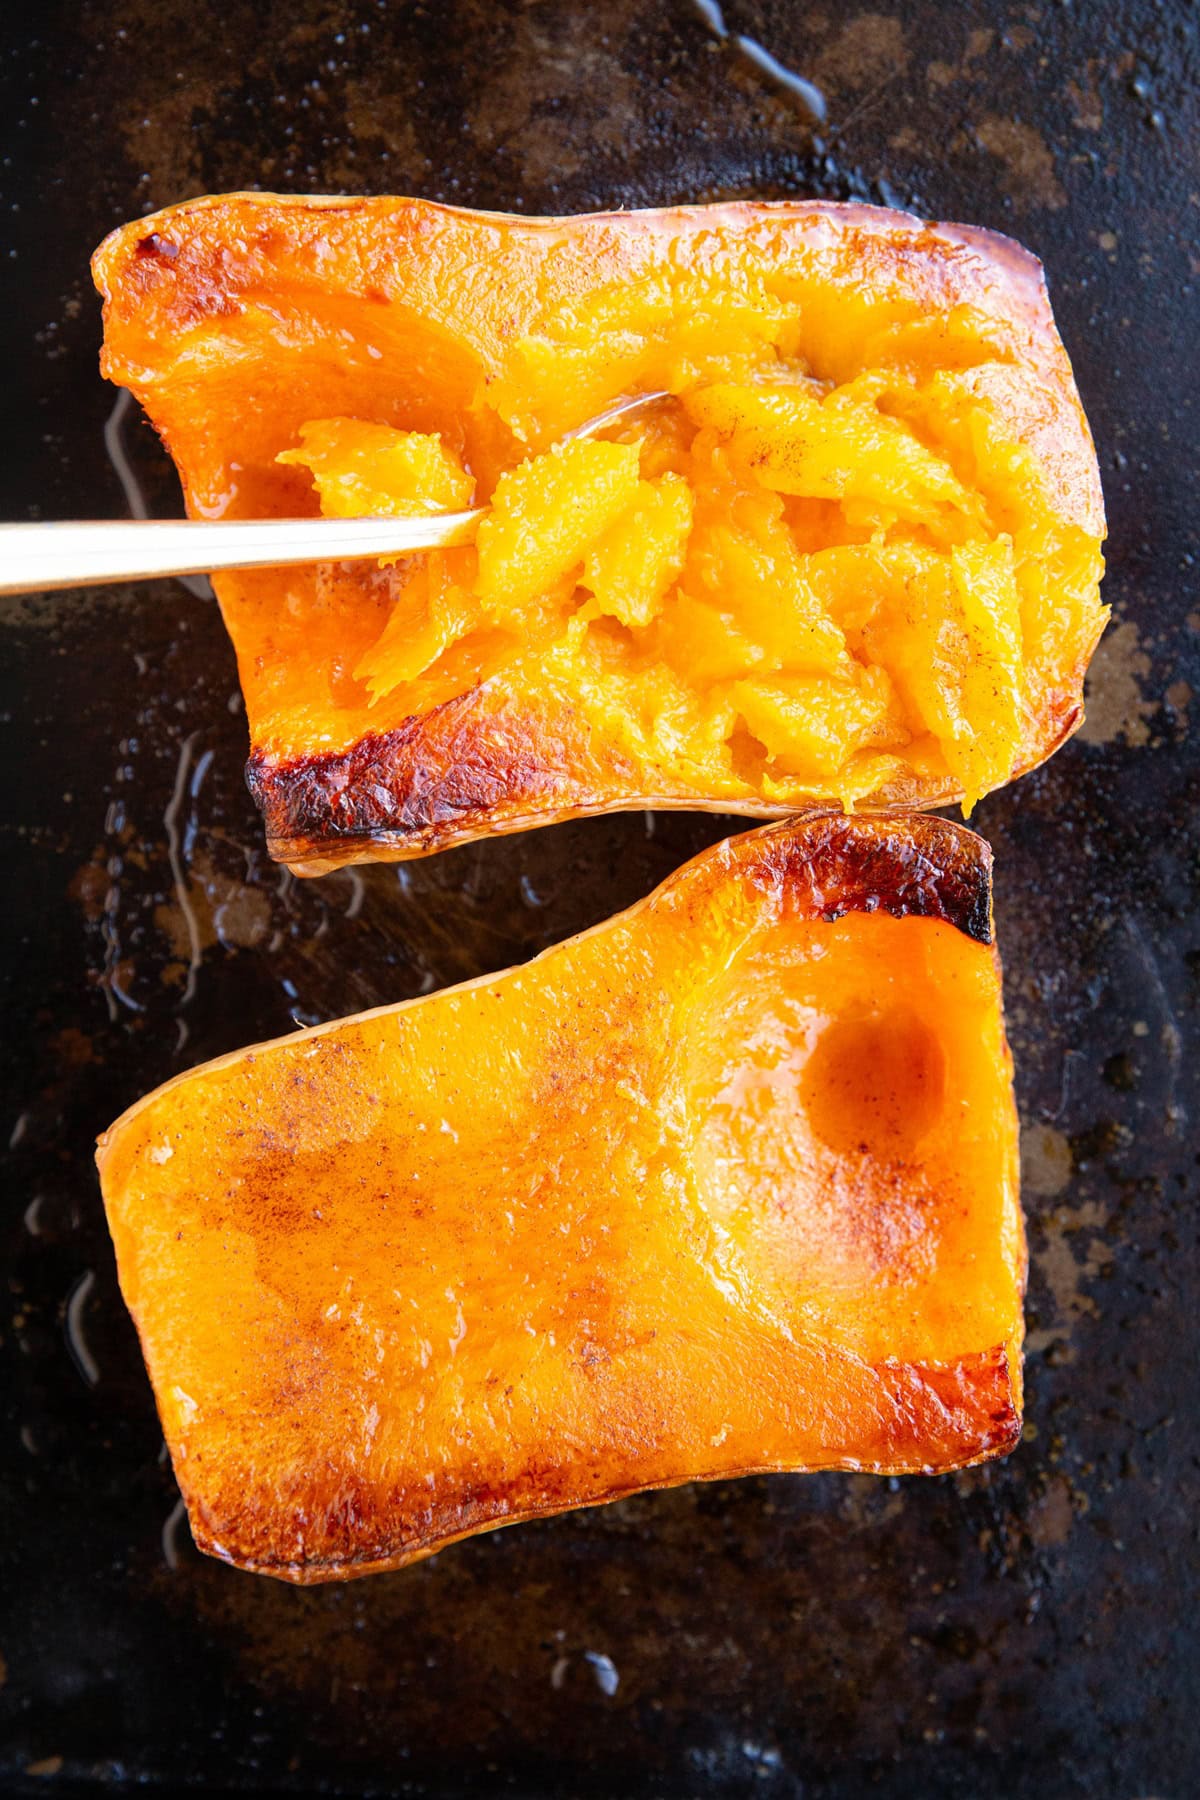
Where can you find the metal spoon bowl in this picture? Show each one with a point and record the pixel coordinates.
(88, 552)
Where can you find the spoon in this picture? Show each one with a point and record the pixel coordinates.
(86, 552)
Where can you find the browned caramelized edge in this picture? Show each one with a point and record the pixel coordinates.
(464, 771)
(904, 863)
(958, 1415)
(910, 865)
(438, 777)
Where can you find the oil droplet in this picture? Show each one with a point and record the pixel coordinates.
(358, 892)
(175, 855)
(114, 443)
(77, 1300)
(713, 17)
(807, 93)
(170, 1534)
(605, 1670)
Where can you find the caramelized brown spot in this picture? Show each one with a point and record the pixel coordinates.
(157, 245)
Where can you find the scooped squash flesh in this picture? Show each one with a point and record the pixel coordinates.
(853, 558)
(726, 1184)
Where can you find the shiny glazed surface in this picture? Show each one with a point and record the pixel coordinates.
(855, 559)
(726, 1184)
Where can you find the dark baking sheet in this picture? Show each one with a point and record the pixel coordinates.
(1025, 1629)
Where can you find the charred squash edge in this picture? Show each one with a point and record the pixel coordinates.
(981, 1380)
(325, 812)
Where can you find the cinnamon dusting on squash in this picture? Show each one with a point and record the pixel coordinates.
(788, 562)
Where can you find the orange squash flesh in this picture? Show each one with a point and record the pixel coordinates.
(854, 559)
(727, 1184)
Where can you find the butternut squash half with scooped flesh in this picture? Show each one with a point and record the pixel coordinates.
(853, 558)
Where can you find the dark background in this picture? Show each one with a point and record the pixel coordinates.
(1023, 1629)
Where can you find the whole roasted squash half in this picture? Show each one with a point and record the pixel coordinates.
(853, 558)
(728, 1183)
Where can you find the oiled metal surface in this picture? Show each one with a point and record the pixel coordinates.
(1027, 1629)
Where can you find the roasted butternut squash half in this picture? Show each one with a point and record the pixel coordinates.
(854, 558)
(727, 1184)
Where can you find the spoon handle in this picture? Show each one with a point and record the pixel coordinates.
(86, 552)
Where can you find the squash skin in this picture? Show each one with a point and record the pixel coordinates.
(604, 1343)
(210, 316)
